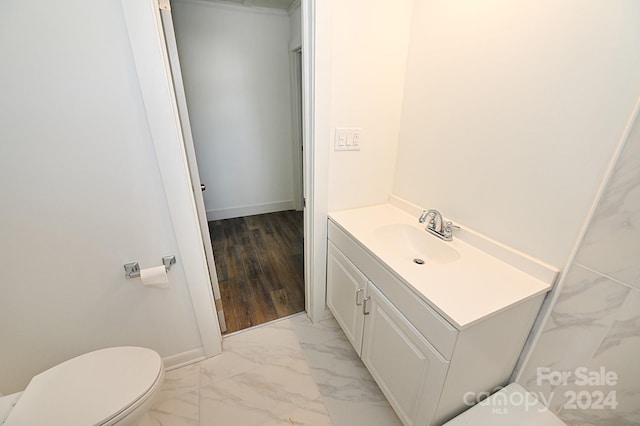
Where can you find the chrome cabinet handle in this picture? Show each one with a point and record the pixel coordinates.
(358, 291)
(364, 305)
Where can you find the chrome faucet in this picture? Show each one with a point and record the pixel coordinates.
(436, 225)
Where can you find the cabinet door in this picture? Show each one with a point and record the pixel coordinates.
(345, 292)
(407, 368)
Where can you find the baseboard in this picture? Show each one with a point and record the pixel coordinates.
(232, 212)
(184, 358)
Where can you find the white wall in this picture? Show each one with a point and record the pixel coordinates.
(235, 66)
(365, 58)
(81, 195)
(512, 111)
(358, 65)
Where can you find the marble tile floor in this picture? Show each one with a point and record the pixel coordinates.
(287, 372)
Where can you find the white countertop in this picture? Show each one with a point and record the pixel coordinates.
(472, 287)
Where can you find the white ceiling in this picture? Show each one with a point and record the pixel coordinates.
(273, 4)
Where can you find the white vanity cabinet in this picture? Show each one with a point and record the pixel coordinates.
(424, 365)
(404, 364)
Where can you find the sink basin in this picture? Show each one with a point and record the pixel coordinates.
(414, 243)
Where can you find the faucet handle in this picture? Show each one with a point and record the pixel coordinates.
(450, 225)
(447, 230)
(423, 216)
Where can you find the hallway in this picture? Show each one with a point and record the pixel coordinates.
(260, 266)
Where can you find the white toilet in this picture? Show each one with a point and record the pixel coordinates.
(113, 386)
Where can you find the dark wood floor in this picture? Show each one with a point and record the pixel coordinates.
(260, 266)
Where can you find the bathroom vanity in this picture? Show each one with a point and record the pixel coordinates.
(438, 331)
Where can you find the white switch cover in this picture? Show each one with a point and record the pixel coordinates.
(347, 139)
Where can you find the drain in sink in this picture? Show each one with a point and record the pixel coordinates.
(418, 261)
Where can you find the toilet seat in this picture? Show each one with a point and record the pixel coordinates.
(97, 388)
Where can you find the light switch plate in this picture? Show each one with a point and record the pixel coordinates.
(347, 139)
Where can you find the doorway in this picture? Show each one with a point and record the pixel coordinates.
(247, 133)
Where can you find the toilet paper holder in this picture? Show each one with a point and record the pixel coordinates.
(132, 270)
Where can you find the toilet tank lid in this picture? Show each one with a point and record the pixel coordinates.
(89, 389)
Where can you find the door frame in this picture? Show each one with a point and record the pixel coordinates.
(297, 146)
(315, 122)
